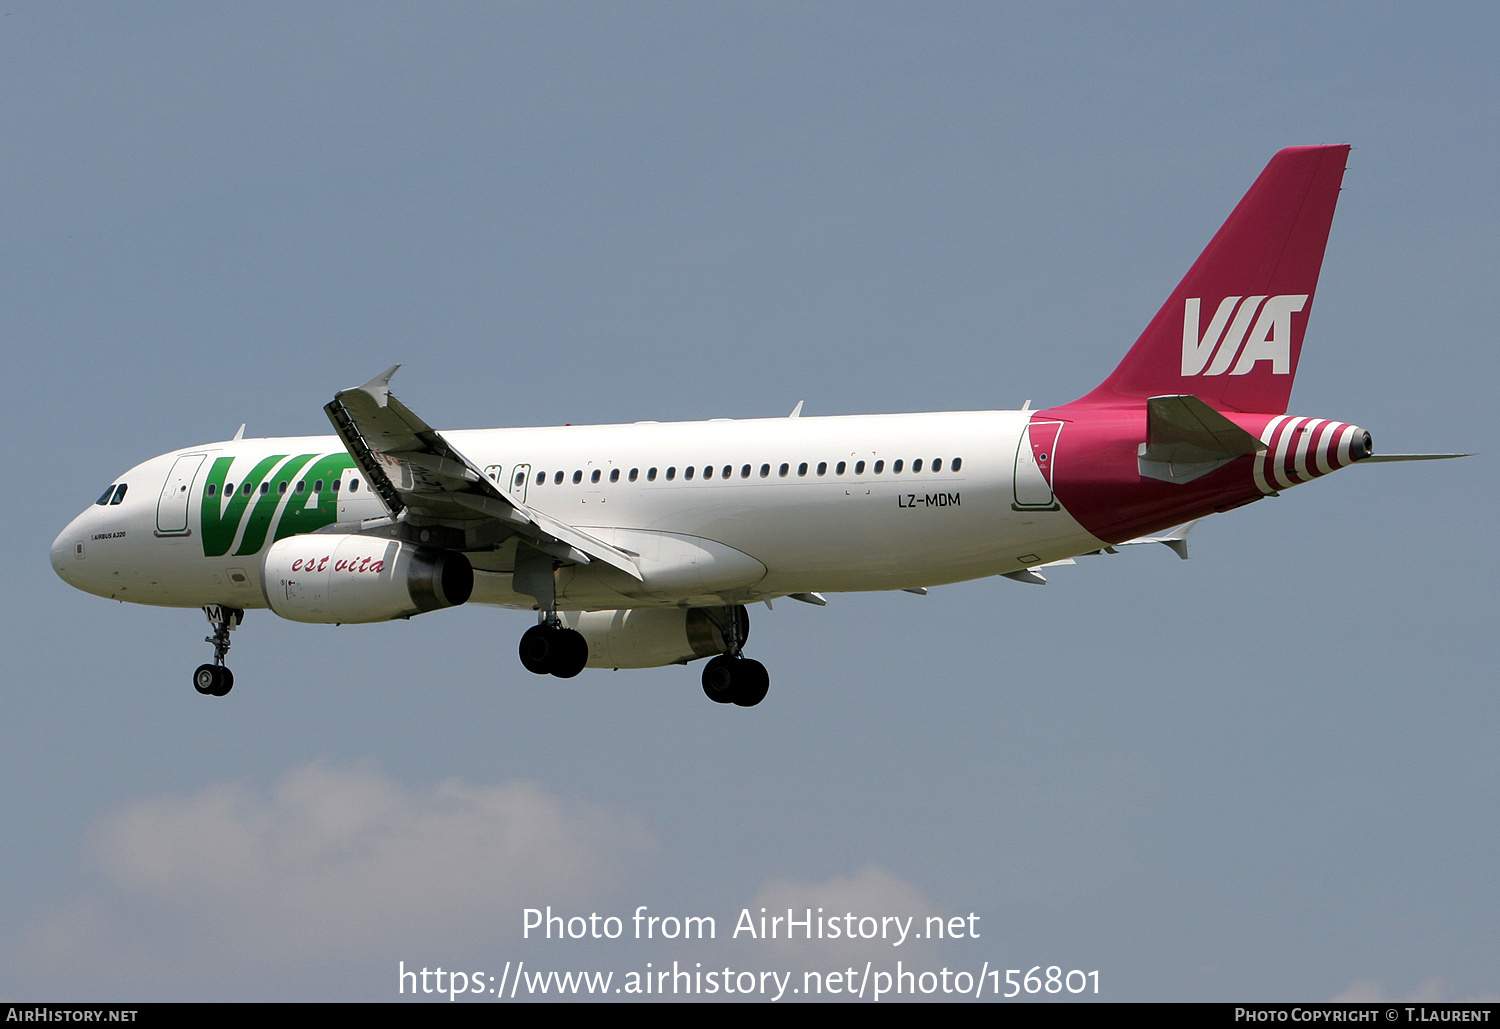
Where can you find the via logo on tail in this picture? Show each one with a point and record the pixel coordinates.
(1269, 340)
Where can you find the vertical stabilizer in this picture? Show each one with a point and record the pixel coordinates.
(1231, 333)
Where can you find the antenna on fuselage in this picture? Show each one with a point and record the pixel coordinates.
(796, 411)
(240, 432)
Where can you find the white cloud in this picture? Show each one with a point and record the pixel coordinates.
(1432, 990)
(879, 902)
(331, 862)
(1361, 991)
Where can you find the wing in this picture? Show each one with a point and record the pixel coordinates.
(429, 484)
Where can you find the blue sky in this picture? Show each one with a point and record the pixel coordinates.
(1266, 773)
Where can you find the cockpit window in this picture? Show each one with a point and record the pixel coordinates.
(104, 497)
(119, 494)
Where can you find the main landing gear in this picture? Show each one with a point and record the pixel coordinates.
(215, 680)
(733, 678)
(551, 648)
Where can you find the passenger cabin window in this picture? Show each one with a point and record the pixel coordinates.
(937, 464)
(859, 468)
(577, 476)
(301, 485)
(614, 475)
(784, 467)
(958, 463)
(822, 467)
(687, 473)
(595, 476)
(211, 491)
(557, 479)
(634, 472)
(744, 472)
(245, 488)
(265, 488)
(879, 467)
(671, 472)
(765, 471)
(802, 468)
(916, 466)
(541, 477)
(839, 468)
(353, 486)
(336, 484)
(896, 467)
(521, 478)
(651, 475)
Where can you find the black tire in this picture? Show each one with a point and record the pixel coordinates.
(206, 679)
(538, 649)
(752, 683)
(572, 653)
(719, 678)
(226, 682)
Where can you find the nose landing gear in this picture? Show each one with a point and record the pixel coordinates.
(215, 680)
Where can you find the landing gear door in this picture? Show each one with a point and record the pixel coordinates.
(519, 475)
(172, 505)
(1034, 460)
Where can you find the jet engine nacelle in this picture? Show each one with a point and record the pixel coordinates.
(651, 637)
(340, 578)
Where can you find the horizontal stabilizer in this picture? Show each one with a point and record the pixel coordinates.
(1186, 439)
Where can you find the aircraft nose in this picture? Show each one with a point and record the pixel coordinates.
(65, 552)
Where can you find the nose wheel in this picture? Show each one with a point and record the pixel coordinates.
(215, 680)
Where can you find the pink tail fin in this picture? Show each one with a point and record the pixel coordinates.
(1231, 333)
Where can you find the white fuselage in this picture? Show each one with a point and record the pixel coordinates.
(723, 511)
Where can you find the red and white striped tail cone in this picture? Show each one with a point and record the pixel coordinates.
(1301, 449)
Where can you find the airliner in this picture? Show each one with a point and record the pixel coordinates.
(642, 545)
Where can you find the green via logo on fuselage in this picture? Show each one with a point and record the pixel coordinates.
(292, 511)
